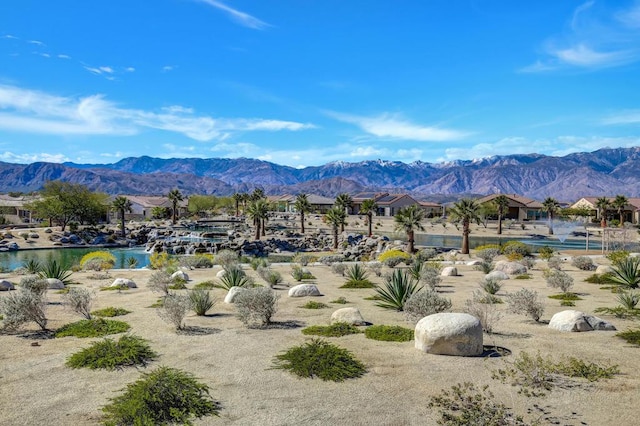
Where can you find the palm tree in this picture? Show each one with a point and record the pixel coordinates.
(258, 211)
(121, 204)
(175, 196)
(369, 207)
(344, 202)
(619, 203)
(303, 206)
(335, 217)
(408, 220)
(237, 198)
(603, 204)
(257, 194)
(551, 206)
(465, 211)
(502, 205)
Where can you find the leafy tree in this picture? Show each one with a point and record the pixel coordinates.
(258, 211)
(550, 206)
(303, 206)
(602, 204)
(257, 194)
(175, 196)
(122, 204)
(336, 217)
(465, 211)
(200, 204)
(502, 206)
(619, 203)
(408, 220)
(160, 212)
(369, 207)
(344, 202)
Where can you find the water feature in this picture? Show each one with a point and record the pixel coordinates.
(562, 229)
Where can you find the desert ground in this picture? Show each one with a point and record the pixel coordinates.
(236, 362)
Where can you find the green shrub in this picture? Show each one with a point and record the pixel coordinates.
(164, 396)
(178, 284)
(319, 358)
(110, 312)
(337, 329)
(522, 277)
(391, 258)
(201, 301)
(545, 252)
(312, 304)
(398, 288)
(258, 262)
(617, 256)
(92, 328)
(630, 336)
(118, 288)
(234, 277)
(357, 277)
(565, 296)
(389, 333)
(97, 261)
(465, 405)
(340, 301)
(109, 354)
(299, 273)
(205, 285)
(516, 247)
(53, 269)
(272, 277)
(599, 279)
(626, 272)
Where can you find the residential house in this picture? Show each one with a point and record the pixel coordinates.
(14, 208)
(286, 203)
(143, 205)
(432, 209)
(520, 208)
(630, 212)
(388, 204)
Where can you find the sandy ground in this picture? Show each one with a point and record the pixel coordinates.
(236, 362)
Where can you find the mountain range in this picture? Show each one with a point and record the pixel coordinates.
(608, 171)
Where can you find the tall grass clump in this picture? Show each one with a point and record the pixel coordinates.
(357, 277)
(201, 301)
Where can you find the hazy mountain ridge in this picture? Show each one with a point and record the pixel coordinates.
(603, 172)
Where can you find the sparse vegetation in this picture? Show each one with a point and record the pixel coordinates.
(110, 312)
(312, 304)
(389, 333)
(425, 302)
(584, 263)
(482, 306)
(337, 329)
(319, 358)
(28, 304)
(630, 336)
(256, 306)
(205, 285)
(109, 354)
(340, 301)
(526, 302)
(174, 308)
(299, 273)
(79, 300)
(545, 252)
(201, 301)
(92, 328)
(559, 279)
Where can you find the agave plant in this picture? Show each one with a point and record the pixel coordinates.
(32, 266)
(398, 288)
(626, 272)
(416, 270)
(628, 299)
(53, 269)
(131, 262)
(234, 277)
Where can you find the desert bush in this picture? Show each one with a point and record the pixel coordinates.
(92, 328)
(174, 309)
(630, 336)
(178, 284)
(375, 267)
(160, 281)
(488, 252)
(110, 311)
(529, 262)
(389, 333)
(205, 285)
(312, 304)
(545, 252)
(338, 268)
(201, 301)
(491, 285)
(199, 260)
(109, 354)
(226, 258)
(425, 302)
(337, 329)
(555, 262)
(34, 284)
(23, 306)
(516, 247)
(526, 302)
(321, 359)
(583, 263)
(160, 260)
(425, 255)
(234, 277)
(340, 301)
(617, 256)
(256, 306)
(485, 267)
(431, 275)
(398, 288)
(303, 259)
(79, 300)
(53, 269)
(626, 272)
(97, 261)
(258, 262)
(164, 396)
(466, 405)
(357, 277)
(272, 277)
(299, 273)
(559, 279)
(392, 258)
(331, 259)
(485, 312)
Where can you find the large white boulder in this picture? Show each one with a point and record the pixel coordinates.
(232, 294)
(449, 271)
(498, 275)
(54, 284)
(604, 269)
(571, 320)
(302, 290)
(181, 275)
(511, 268)
(447, 333)
(6, 285)
(349, 315)
(221, 273)
(123, 282)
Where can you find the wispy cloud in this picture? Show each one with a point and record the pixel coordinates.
(36, 42)
(63, 56)
(595, 37)
(168, 68)
(392, 126)
(11, 157)
(30, 111)
(623, 117)
(238, 16)
(9, 36)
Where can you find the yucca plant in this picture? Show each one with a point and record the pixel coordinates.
(32, 266)
(53, 269)
(201, 301)
(398, 288)
(416, 270)
(626, 272)
(357, 277)
(234, 277)
(628, 299)
(131, 262)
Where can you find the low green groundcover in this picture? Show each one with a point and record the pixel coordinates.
(92, 328)
(389, 333)
(337, 329)
(110, 354)
(110, 312)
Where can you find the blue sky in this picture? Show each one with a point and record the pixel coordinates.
(307, 82)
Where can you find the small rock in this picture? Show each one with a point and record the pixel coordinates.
(302, 290)
(122, 282)
(6, 285)
(604, 269)
(55, 284)
(232, 294)
(449, 271)
(499, 275)
(571, 320)
(511, 268)
(180, 275)
(349, 315)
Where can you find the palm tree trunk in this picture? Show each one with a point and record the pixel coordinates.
(302, 222)
(335, 237)
(370, 219)
(499, 224)
(550, 224)
(621, 220)
(465, 238)
(410, 234)
(122, 223)
(257, 223)
(263, 228)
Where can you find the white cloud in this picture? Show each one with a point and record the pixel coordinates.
(30, 111)
(130, 69)
(107, 70)
(10, 37)
(624, 117)
(241, 18)
(583, 56)
(630, 17)
(62, 56)
(36, 42)
(168, 68)
(394, 127)
(10, 157)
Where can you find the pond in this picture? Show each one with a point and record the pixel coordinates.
(70, 256)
